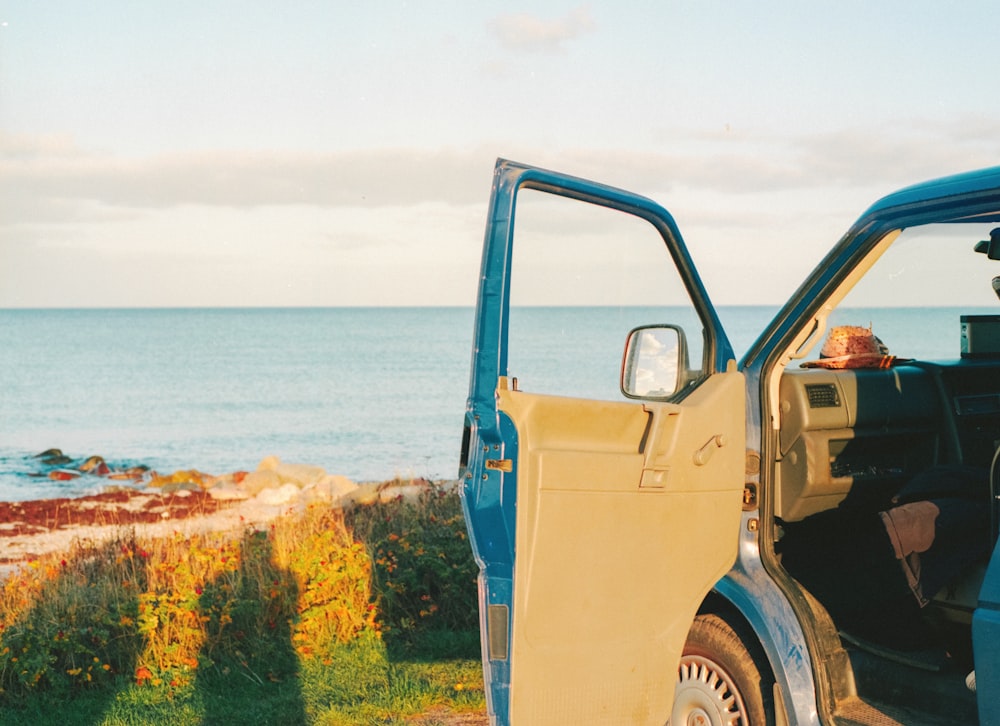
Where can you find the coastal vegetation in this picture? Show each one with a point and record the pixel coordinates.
(320, 617)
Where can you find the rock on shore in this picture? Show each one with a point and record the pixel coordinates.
(186, 501)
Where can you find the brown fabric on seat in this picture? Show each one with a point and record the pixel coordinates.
(911, 529)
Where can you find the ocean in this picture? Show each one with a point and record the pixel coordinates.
(369, 393)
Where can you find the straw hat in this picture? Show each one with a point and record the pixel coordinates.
(852, 346)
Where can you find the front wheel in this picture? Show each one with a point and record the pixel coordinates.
(720, 682)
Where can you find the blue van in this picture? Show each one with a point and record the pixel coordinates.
(667, 534)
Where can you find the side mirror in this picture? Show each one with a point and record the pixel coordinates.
(655, 361)
(990, 247)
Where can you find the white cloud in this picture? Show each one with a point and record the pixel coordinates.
(48, 181)
(526, 32)
(46, 188)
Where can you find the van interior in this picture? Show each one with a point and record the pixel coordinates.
(858, 454)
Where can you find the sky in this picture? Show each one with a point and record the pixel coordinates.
(219, 153)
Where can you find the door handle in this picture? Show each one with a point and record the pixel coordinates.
(702, 455)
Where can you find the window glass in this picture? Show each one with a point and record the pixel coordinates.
(582, 277)
(915, 295)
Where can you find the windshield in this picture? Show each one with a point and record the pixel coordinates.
(921, 291)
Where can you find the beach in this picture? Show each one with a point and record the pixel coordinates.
(186, 502)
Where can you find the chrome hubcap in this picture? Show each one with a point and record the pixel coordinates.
(706, 695)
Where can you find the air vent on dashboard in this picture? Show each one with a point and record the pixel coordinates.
(822, 395)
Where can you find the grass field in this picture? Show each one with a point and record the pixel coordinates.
(321, 618)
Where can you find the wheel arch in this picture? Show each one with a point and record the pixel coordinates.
(775, 637)
(717, 604)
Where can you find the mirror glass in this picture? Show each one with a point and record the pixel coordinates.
(654, 358)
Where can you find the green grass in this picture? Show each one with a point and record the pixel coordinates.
(359, 687)
(315, 697)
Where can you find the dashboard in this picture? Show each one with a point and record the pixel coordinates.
(862, 433)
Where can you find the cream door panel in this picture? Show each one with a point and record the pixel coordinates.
(610, 569)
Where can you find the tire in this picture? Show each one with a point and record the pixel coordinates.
(720, 681)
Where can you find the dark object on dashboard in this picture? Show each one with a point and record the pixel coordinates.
(980, 335)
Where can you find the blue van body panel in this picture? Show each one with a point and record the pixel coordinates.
(749, 589)
(489, 499)
(488, 506)
(985, 637)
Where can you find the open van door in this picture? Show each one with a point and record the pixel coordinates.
(602, 491)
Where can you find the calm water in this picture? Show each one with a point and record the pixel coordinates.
(367, 393)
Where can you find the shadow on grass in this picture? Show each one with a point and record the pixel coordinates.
(423, 574)
(248, 671)
(77, 654)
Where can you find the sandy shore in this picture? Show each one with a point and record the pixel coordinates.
(34, 528)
